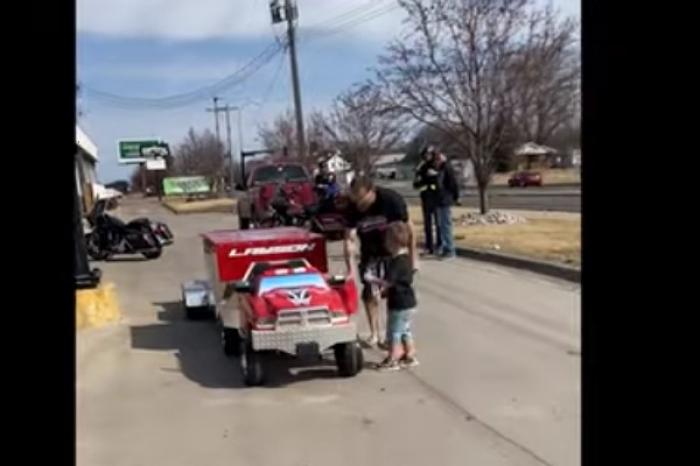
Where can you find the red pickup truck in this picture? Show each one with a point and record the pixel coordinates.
(276, 194)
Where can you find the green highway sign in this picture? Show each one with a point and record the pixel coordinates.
(129, 150)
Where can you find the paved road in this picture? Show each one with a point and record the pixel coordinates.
(499, 382)
(552, 198)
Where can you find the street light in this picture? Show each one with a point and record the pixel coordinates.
(239, 110)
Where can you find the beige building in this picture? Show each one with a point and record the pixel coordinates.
(85, 168)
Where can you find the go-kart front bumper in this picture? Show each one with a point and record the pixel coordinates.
(295, 341)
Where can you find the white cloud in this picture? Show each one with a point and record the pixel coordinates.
(207, 19)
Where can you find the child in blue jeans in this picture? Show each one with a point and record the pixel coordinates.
(397, 287)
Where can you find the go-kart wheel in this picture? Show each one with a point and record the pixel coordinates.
(153, 254)
(231, 342)
(98, 255)
(244, 223)
(197, 313)
(251, 365)
(348, 358)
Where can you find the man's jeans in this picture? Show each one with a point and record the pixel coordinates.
(430, 222)
(444, 221)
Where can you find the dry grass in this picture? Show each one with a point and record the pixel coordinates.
(549, 176)
(181, 206)
(551, 238)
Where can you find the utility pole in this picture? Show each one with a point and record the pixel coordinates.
(228, 109)
(216, 111)
(240, 130)
(291, 13)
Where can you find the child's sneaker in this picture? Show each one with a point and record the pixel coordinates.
(383, 345)
(409, 361)
(388, 365)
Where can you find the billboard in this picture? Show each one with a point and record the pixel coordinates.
(132, 150)
(185, 185)
(155, 164)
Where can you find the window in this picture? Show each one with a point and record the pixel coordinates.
(300, 280)
(279, 174)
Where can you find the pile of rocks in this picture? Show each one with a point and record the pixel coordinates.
(491, 218)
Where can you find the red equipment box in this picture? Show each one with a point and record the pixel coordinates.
(231, 253)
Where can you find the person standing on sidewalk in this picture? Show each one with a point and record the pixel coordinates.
(425, 181)
(447, 195)
(372, 210)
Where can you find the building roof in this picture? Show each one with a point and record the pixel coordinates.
(530, 148)
(389, 159)
(335, 156)
(85, 143)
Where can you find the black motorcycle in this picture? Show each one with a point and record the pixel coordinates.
(286, 212)
(111, 235)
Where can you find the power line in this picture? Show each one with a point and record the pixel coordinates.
(275, 76)
(349, 22)
(234, 79)
(348, 15)
(182, 99)
(361, 9)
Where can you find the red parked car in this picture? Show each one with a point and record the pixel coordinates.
(525, 179)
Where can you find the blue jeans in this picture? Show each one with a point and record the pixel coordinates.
(398, 326)
(430, 221)
(444, 220)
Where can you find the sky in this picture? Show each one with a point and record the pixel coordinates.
(159, 48)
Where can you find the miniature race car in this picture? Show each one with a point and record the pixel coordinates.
(270, 291)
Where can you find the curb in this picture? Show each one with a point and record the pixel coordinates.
(220, 208)
(572, 274)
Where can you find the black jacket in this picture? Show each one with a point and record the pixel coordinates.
(447, 185)
(426, 183)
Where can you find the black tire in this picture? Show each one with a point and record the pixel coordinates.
(231, 342)
(244, 223)
(348, 358)
(197, 313)
(251, 366)
(93, 248)
(154, 254)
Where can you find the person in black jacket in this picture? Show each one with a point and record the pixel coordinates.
(447, 195)
(425, 181)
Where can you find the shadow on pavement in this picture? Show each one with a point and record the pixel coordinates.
(201, 359)
(127, 259)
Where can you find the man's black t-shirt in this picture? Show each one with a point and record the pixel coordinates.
(388, 207)
(399, 275)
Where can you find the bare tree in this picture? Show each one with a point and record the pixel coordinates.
(281, 134)
(454, 70)
(362, 127)
(547, 91)
(203, 155)
(320, 142)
